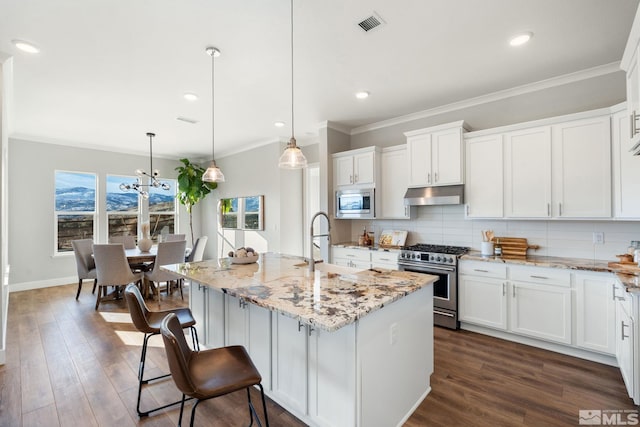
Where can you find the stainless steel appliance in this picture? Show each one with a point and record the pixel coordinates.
(356, 203)
(441, 261)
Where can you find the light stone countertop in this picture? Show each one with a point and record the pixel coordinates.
(329, 298)
(630, 281)
(355, 245)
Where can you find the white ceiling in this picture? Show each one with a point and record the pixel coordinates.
(110, 71)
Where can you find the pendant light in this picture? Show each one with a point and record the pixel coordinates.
(292, 158)
(153, 175)
(213, 172)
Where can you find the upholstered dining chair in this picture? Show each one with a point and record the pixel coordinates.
(127, 240)
(175, 237)
(112, 268)
(168, 253)
(83, 249)
(148, 322)
(209, 373)
(197, 252)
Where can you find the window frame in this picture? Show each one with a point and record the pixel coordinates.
(57, 213)
(108, 213)
(173, 184)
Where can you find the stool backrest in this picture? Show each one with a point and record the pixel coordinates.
(178, 353)
(138, 309)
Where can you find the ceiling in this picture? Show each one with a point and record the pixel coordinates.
(110, 71)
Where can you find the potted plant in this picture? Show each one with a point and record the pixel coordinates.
(191, 188)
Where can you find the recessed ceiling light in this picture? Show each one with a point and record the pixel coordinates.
(190, 97)
(362, 95)
(278, 124)
(521, 39)
(25, 46)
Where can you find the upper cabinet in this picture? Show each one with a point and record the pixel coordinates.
(435, 155)
(630, 63)
(393, 183)
(356, 167)
(483, 191)
(626, 170)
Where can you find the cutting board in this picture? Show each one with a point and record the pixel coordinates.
(514, 247)
(392, 238)
(625, 267)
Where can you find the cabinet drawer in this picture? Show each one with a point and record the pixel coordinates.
(484, 269)
(384, 257)
(546, 276)
(353, 254)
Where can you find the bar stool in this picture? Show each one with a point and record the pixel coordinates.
(148, 322)
(209, 373)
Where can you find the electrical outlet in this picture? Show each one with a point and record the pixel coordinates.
(393, 334)
(598, 237)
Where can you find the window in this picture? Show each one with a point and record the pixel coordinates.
(75, 208)
(244, 213)
(162, 209)
(122, 207)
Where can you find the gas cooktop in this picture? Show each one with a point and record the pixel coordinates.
(440, 249)
(433, 254)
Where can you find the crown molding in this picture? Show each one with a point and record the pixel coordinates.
(565, 79)
(335, 126)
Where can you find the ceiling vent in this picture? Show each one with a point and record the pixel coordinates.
(371, 22)
(188, 120)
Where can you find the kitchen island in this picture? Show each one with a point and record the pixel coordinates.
(335, 347)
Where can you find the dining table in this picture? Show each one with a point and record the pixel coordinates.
(139, 259)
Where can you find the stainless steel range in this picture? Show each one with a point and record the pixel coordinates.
(441, 261)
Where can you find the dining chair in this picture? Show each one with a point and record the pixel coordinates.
(197, 253)
(148, 322)
(175, 237)
(168, 253)
(112, 268)
(85, 264)
(127, 240)
(211, 373)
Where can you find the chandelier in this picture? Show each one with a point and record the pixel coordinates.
(153, 176)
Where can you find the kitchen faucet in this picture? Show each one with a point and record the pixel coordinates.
(312, 263)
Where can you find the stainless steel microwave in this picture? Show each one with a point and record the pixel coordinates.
(358, 203)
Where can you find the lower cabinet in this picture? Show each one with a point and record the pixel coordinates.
(364, 258)
(207, 307)
(595, 312)
(625, 330)
(483, 301)
(541, 311)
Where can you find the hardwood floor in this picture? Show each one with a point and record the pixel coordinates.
(69, 365)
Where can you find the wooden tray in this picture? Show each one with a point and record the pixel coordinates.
(625, 267)
(514, 247)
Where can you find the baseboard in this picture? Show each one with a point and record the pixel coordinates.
(26, 286)
(558, 348)
(415, 406)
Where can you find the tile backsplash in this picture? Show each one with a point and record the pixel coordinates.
(563, 238)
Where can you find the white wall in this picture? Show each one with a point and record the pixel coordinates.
(447, 225)
(31, 202)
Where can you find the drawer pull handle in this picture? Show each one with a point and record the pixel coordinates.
(480, 271)
(539, 277)
(622, 330)
(350, 255)
(514, 291)
(504, 289)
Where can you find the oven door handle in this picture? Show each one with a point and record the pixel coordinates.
(427, 267)
(442, 313)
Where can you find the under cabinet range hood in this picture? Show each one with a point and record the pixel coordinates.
(427, 196)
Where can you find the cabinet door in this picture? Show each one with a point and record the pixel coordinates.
(363, 168)
(343, 170)
(236, 324)
(289, 363)
(419, 152)
(484, 177)
(332, 377)
(595, 312)
(384, 259)
(483, 301)
(527, 179)
(394, 183)
(541, 311)
(215, 318)
(582, 168)
(446, 162)
(197, 304)
(625, 330)
(259, 341)
(633, 99)
(626, 170)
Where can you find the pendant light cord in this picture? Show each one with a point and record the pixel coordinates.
(292, 121)
(213, 106)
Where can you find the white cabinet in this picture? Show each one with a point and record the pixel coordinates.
(207, 306)
(483, 301)
(384, 259)
(527, 173)
(356, 167)
(289, 381)
(356, 258)
(435, 155)
(483, 190)
(626, 170)
(581, 170)
(630, 64)
(250, 326)
(595, 312)
(394, 181)
(625, 332)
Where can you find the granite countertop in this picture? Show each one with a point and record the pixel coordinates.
(329, 298)
(355, 245)
(630, 281)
